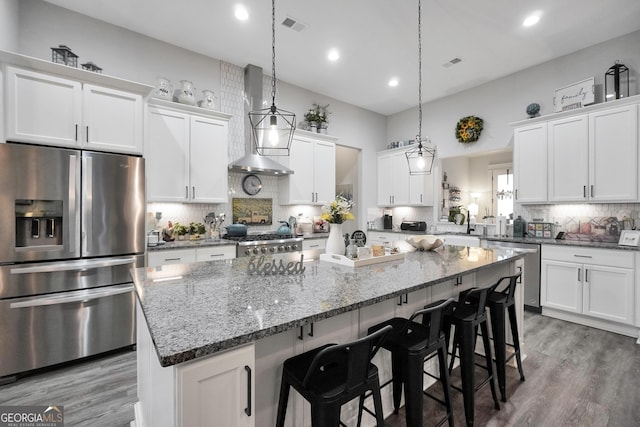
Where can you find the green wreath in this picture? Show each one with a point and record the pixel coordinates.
(468, 129)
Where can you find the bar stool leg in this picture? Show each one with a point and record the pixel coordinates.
(465, 334)
(487, 352)
(377, 404)
(516, 339)
(398, 379)
(445, 381)
(413, 385)
(499, 345)
(325, 415)
(282, 403)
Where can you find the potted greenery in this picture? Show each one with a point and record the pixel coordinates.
(180, 230)
(316, 117)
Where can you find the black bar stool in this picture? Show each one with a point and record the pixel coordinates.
(500, 302)
(411, 344)
(466, 316)
(332, 375)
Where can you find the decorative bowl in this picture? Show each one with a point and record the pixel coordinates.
(425, 243)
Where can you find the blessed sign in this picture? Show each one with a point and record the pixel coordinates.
(259, 266)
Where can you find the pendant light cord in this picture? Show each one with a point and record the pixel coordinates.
(273, 54)
(419, 136)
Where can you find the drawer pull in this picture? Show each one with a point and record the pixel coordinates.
(583, 256)
(214, 255)
(172, 259)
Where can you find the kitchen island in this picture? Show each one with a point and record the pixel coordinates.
(210, 334)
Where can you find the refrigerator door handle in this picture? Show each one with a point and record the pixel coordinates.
(73, 265)
(88, 205)
(71, 230)
(84, 295)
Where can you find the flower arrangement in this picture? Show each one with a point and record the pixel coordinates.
(338, 211)
(468, 129)
(318, 114)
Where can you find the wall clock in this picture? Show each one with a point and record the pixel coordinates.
(251, 184)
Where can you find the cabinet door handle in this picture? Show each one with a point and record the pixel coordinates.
(193, 192)
(76, 131)
(310, 329)
(579, 280)
(87, 136)
(586, 275)
(420, 198)
(186, 191)
(516, 194)
(584, 191)
(247, 410)
(458, 281)
(591, 190)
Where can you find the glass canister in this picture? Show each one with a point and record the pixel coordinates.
(352, 249)
(187, 94)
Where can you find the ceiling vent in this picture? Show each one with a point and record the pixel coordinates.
(294, 24)
(452, 62)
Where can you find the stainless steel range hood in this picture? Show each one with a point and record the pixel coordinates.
(251, 161)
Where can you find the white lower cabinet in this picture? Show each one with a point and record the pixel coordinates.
(314, 244)
(183, 256)
(593, 284)
(383, 237)
(220, 393)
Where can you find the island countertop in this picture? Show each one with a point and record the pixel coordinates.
(194, 310)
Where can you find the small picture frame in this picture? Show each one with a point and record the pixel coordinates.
(629, 238)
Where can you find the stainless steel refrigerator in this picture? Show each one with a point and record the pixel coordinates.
(71, 228)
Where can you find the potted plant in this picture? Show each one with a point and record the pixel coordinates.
(317, 117)
(180, 230)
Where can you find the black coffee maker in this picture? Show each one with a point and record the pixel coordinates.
(387, 222)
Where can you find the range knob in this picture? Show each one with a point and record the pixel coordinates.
(294, 247)
(247, 252)
(280, 248)
(272, 249)
(255, 251)
(287, 248)
(263, 250)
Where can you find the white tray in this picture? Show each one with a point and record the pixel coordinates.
(359, 262)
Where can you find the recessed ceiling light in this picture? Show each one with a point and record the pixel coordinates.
(333, 55)
(393, 82)
(531, 20)
(241, 13)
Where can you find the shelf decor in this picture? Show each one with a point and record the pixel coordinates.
(468, 129)
(335, 213)
(63, 55)
(616, 82)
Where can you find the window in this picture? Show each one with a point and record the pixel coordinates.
(502, 189)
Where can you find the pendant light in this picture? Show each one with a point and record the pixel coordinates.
(420, 159)
(272, 127)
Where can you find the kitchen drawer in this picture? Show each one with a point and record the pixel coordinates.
(314, 244)
(170, 256)
(606, 257)
(378, 237)
(215, 252)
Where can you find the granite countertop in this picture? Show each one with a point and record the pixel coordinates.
(193, 310)
(188, 244)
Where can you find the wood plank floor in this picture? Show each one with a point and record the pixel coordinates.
(576, 376)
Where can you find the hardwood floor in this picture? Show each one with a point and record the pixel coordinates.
(576, 376)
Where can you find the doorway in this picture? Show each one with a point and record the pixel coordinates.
(348, 183)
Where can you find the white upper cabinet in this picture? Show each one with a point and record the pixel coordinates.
(313, 161)
(53, 110)
(186, 154)
(396, 187)
(569, 159)
(613, 150)
(530, 163)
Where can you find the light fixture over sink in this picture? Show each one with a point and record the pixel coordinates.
(272, 127)
(420, 159)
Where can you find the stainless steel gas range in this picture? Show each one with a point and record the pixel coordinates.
(265, 244)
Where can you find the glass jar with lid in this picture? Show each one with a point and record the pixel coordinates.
(352, 249)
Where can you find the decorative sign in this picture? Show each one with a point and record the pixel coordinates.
(575, 96)
(262, 268)
(252, 211)
(629, 238)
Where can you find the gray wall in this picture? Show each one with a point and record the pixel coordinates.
(9, 25)
(505, 100)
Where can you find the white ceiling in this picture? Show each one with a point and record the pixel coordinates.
(377, 39)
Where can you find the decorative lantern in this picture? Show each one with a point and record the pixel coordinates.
(63, 55)
(90, 66)
(616, 82)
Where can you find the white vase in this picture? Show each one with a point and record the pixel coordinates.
(335, 242)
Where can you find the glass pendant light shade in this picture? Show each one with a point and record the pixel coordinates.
(272, 128)
(420, 158)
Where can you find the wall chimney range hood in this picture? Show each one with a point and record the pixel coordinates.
(251, 161)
